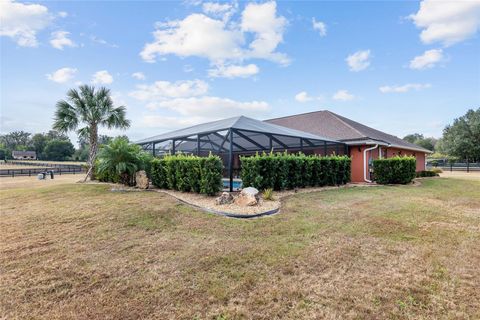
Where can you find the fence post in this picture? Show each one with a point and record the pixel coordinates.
(468, 166)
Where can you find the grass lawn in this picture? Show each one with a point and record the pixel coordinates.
(81, 251)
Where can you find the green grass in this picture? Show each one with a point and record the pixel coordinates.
(81, 251)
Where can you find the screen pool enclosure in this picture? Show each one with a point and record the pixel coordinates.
(236, 136)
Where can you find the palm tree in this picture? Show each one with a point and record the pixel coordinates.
(120, 160)
(84, 112)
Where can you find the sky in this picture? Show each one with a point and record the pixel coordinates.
(398, 66)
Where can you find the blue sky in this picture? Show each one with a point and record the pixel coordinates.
(401, 67)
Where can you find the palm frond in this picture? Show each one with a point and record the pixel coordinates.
(84, 133)
(66, 117)
(116, 118)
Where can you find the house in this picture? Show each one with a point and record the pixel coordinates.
(320, 132)
(24, 155)
(364, 143)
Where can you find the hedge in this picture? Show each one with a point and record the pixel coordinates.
(188, 173)
(396, 170)
(426, 173)
(281, 171)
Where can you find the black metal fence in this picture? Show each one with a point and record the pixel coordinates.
(36, 168)
(36, 171)
(457, 166)
(43, 164)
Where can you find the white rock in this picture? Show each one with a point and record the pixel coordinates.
(248, 197)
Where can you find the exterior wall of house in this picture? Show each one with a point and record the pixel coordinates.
(356, 153)
(420, 156)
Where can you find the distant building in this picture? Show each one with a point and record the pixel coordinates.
(24, 155)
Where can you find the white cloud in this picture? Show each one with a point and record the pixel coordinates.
(59, 39)
(189, 98)
(196, 35)
(233, 71)
(303, 97)
(447, 22)
(138, 75)
(211, 107)
(102, 77)
(223, 10)
(162, 90)
(21, 22)
(262, 20)
(171, 123)
(62, 75)
(221, 41)
(358, 61)
(63, 14)
(101, 41)
(319, 26)
(343, 95)
(405, 88)
(427, 60)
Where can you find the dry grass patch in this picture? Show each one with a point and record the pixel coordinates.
(81, 251)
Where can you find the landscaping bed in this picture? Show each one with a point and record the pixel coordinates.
(267, 207)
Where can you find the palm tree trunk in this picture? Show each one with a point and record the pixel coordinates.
(92, 152)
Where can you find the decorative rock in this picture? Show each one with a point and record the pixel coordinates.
(248, 197)
(141, 179)
(225, 198)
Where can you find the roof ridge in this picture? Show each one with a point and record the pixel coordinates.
(339, 117)
(298, 114)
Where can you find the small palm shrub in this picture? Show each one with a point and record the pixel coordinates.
(268, 194)
(119, 160)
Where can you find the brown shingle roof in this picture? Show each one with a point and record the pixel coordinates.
(331, 125)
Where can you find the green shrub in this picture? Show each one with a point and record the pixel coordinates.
(119, 160)
(426, 173)
(159, 175)
(188, 173)
(437, 170)
(396, 170)
(211, 169)
(288, 171)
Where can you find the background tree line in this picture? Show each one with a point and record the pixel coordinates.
(53, 145)
(460, 140)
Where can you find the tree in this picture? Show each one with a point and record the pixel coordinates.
(413, 137)
(85, 111)
(462, 138)
(420, 140)
(120, 160)
(15, 139)
(56, 135)
(427, 143)
(39, 142)
(58, 150)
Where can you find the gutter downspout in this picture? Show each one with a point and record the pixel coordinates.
(365, 162)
